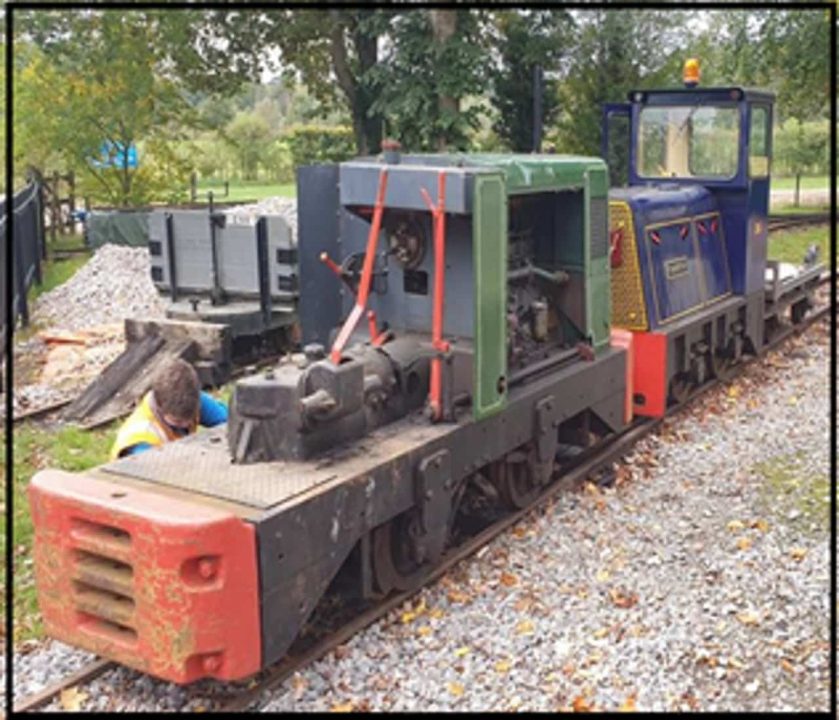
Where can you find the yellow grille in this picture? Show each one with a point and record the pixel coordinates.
(628, 309)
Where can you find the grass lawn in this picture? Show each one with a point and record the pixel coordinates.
(35, 448)
(245, 190)
(821, 182)
(801, 210)
(790, 246)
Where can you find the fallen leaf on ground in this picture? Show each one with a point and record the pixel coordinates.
(621, 599)
(509, 579)
(342, 707)
(602, 575)
(525, 627)
(424, 631)
(503, 666)
(408, 617)
(628, 705)
(735, 526)
(72, 699)
(461, 651)
(787, 665)
(519, 532)
(436, 613)
(798, 553)
(744, 543)
(580, 704)
(748, 618)
(601, 633)
(759, 524)
(456, 596)
(456, 689)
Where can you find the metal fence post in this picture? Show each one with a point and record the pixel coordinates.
(56, 206)
(41, 226)
(20, 276)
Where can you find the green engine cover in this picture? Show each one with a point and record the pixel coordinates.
(489, 243)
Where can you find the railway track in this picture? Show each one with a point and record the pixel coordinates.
(593, 463)
(784, 222)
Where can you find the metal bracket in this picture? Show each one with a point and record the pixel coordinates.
(545, 440)
(434, 488)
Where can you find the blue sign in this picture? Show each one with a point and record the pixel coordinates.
(114, 155)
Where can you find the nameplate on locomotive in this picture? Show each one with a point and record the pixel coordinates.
(676, 268)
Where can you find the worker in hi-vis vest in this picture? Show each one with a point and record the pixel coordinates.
(173, 408)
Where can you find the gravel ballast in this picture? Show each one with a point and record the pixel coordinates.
(700, 581)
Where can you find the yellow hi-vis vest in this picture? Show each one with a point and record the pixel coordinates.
(142, 426)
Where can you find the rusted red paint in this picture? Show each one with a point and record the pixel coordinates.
(649, 376)
(165, 586)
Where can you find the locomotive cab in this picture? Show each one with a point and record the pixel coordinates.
(690, 172)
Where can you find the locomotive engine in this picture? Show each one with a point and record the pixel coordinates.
(501, 306)
(455, 321)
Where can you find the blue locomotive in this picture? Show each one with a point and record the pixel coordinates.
(688, 234)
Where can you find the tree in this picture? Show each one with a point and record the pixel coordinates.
(523, 40)
(252, 139)
(615, 52)
(432, 63)
(334, 52)
(110, 91)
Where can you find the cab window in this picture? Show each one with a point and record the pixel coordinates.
(759, 142)
(689, 141)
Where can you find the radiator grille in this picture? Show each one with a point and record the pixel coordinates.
(628, 307)
(103, 581)
(598, 225)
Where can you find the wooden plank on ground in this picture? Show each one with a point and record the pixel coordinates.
(113, 377)
(125, 397)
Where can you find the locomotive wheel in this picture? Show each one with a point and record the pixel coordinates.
(722, 366)
(395, 564)
(799, 310)
(515, 480)
(680, 388)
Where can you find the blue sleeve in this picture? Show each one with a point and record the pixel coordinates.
(213, 412)
(136, 449)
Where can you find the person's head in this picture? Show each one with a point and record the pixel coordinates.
(176, 392)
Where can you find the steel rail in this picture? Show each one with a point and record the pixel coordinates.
(87, 672)
(784, 222)
(615, 448)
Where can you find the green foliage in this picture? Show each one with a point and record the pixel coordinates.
(525, 39)
(110, 88)
(433, 62)
(312, 144)
(615, 52)
(251, 138)
(802, 148)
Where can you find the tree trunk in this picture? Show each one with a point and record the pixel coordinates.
(443, 27)
(367, 130)
(367, 49)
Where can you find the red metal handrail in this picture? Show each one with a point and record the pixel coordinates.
(366, 273)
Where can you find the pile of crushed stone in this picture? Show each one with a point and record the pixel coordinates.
(113, 285)
(285, 207)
